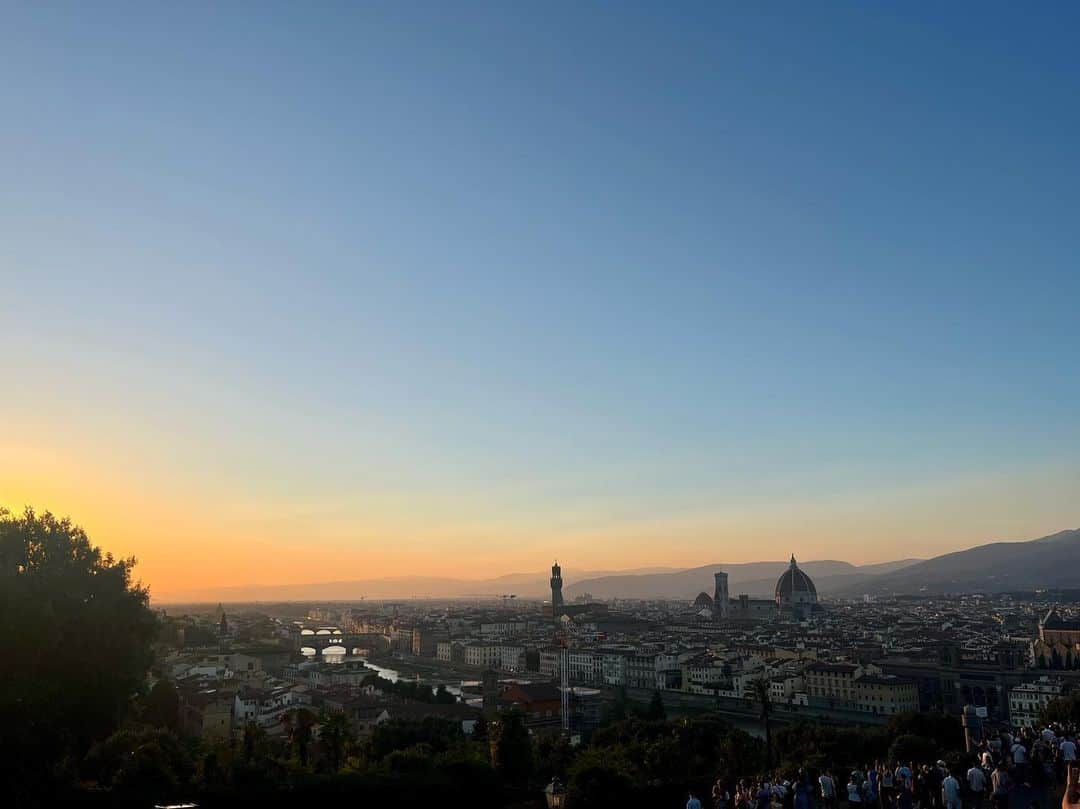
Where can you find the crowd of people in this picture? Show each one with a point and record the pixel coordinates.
(1034, 762)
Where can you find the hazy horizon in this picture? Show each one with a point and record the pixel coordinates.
(424, 289)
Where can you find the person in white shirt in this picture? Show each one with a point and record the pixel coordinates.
(828, 789)
(1019, 757)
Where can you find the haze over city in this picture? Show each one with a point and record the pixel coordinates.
(365, 292)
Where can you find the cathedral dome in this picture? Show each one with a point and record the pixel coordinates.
(794, 583)
(703, 600)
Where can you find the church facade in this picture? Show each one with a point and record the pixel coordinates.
(1058, 644)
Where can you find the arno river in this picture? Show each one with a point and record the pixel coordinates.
(751, 726)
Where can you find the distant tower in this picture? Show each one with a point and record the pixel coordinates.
(720, 596)
(223, 628)
(556, 591)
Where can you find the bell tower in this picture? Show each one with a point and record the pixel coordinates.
(721, 604)
(556, 591)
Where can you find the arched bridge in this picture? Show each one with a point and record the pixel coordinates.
(321, 638)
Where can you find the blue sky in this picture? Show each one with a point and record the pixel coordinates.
(560, 277)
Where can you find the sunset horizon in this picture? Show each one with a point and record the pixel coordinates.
(540, 405)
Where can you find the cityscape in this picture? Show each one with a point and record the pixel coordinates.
(540, 405)
(563, 664)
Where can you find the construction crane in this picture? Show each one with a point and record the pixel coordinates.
(564, 682)
(504, 597)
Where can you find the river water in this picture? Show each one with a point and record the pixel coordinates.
(393, 675)
(751, 726)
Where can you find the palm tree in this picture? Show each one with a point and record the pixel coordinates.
(761, 694)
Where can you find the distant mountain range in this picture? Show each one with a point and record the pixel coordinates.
(752, 578)
(522, 585)
(1049, 562)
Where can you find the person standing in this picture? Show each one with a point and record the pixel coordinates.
(1067, 750)
(950, 792)
(1071, 798)
(976, 778)
(854, 792)
(1001, 784)
(763, 799)
(905, 776)
(886, 778)
(742, 795)
(720, 796)
(693, 802)
(933, 778)
(828, 790)
(1019, 757)
(872, 784)
(764, 794)
(803, 798)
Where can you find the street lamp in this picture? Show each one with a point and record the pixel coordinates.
(555, 794)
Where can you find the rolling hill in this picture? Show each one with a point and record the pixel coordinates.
(1049, 562)
(524, 585)
(753, 578)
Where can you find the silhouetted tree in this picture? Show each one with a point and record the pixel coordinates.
(1064, 710)
(140, 760)
(599, 779)
(913, 748)
(298, 726)
(656, 707)
(76, 633)
(441, 734)
(513, 748)
(253, 737)
(336, 736)
(161, 706)
(945, 731)
(617, 710)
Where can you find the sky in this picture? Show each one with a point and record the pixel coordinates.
(307, 292)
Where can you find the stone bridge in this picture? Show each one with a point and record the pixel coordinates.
(322, 638)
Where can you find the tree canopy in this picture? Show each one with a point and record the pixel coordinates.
(77, 634)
